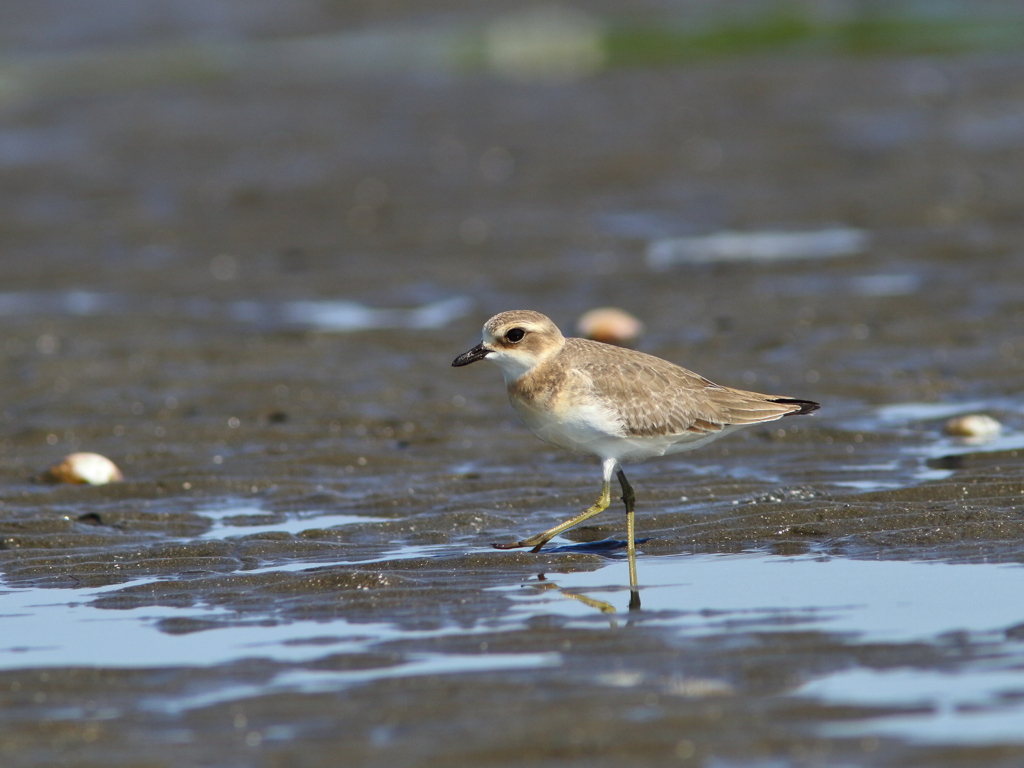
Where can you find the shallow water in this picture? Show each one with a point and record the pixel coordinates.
(967, 689)
(241, 246)
(734, 597)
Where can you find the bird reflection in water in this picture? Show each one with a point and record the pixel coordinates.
(602, 605)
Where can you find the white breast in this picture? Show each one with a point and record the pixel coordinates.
(583, 428)
(594, 429)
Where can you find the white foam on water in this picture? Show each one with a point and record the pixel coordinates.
(766, 246)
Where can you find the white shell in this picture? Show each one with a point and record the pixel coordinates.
(85, 468)
(975, 425)
(610, 325)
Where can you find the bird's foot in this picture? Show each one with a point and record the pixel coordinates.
(514, 545)
(533, 541)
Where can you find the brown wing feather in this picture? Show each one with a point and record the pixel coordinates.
(656, 397)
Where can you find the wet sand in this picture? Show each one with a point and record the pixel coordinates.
(297, 570)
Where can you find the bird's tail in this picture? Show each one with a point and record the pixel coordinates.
(806, 406)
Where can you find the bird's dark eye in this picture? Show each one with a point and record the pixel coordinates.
(516, 334)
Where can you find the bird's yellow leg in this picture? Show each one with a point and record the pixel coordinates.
(631, 548)
(541, 539)
(629, 499)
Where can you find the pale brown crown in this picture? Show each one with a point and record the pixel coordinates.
(523, 333)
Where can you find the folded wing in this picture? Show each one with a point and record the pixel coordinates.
(655, 397)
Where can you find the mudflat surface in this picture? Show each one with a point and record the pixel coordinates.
(245, 285)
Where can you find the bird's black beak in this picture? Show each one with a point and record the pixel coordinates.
(479, 352)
